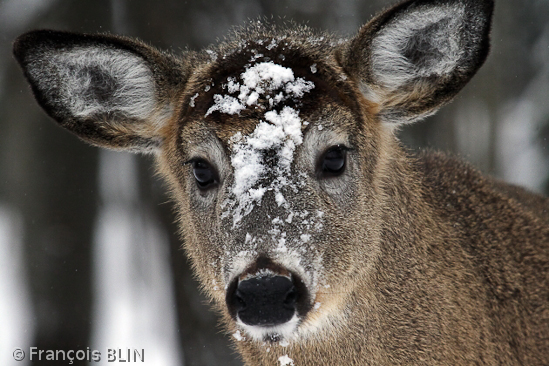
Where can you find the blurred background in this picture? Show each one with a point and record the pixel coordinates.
(88, 252)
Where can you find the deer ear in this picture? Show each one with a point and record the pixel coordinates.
(416, 56)
(111, 91)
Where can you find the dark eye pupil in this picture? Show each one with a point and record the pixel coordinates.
(203, 173)
(334, 161)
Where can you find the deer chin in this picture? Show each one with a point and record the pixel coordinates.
(280, 333)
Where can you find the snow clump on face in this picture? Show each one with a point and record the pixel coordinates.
(279, 130)
(285, 361)
(282, 133)
(260, 80)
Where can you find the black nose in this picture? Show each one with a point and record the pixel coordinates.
(265, 301)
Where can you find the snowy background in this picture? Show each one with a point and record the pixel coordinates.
(88, 251)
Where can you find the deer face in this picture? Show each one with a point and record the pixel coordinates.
(272, 160)
(275, 144)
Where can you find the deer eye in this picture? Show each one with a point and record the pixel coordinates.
(332, 163)
(204, 174)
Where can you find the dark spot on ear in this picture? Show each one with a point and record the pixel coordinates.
(102, 86)
(423, 48)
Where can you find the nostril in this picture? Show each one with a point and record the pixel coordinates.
(241, 304)
(291, 298)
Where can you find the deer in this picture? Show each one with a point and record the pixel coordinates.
(318, 237)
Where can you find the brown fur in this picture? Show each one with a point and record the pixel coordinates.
(420, 259)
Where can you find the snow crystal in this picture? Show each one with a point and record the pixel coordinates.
(282, 245)
(212, 54)
(313, 68)
(191, 103)
(225, 104)
(279, 198)
(239, 336)
(285, 361)
(290, 217)
(271, 45)
(317, 305)
(256, 56)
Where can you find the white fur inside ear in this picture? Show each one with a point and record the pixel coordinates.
(419, 43)
(91, 81)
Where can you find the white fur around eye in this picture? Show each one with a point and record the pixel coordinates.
(71, 72)
(392, 69)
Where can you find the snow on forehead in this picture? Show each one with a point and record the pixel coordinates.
(267, 73)
(274, 82)
(279, 130)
